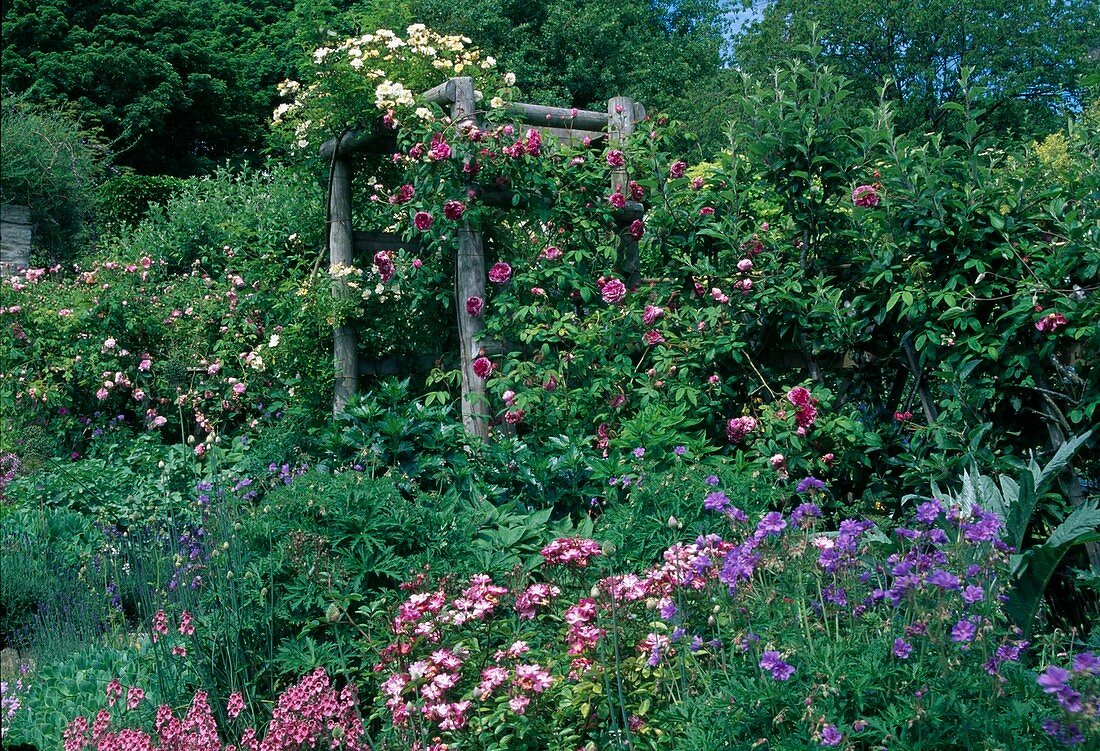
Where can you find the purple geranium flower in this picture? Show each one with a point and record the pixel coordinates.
(1087, 662)
(716, 501)
(810, 483)
(943, 579)
(774, 664)
(772, 523)
(830, 736)
(963, 632)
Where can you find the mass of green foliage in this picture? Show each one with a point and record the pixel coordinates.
(790, 437)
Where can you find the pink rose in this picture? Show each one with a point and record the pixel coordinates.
(615, 158)
(613, 291)
(652, 338)
(514, 416)
(744, 265)
(552, 253)
(637, 192)
(440, 150)
(865, 196)
(474, 306)
(677, 169)
(697, 184)
(706, 211)
(422, 221)
(500, 273)
(739, 427)
(652, 313)
(453, 210)
(509, 397)
(483, 367)
(637, 229)
(404, 194)
(617, 200)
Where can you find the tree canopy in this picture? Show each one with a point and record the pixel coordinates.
(1028, 56)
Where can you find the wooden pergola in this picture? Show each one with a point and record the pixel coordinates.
(457, 94)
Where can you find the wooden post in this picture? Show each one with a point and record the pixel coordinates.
(469, 282)
(620, 124)
(344, 345)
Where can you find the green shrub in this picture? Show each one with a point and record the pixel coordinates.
(52, 164)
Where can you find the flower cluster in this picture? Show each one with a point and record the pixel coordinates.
(570, 551)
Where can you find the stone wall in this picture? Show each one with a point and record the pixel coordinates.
(15, 238)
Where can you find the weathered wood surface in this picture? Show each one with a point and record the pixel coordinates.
(16, 234)
(469, 282)
(341, 252)
(557, 117)
(621, 123)
(376, 140)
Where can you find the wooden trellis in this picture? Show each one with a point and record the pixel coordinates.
(569, 125)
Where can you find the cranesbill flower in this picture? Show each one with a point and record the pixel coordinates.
(943, 579)
(830, 736)
(773, 662)
(772, 523)
(716, 501)
(810, 483)
(963, 631)
(1087, 662)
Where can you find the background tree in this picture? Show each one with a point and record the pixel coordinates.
(177, 87)
(1028, 56)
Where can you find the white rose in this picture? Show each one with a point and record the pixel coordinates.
(509, 79)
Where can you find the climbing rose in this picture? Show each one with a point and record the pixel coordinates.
(422, 221)
(865, 196)
(1051, 322)
(483, 367)
(739, 427)
(617, 200)
(615, 158)
(613, 291)
(453, 210)
(677, 169)
(552, 253)
(637, 229)
(404, 194)
(500, 273)
(651, 338)
(474, 306)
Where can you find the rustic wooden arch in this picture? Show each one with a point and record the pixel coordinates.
(567, 125)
